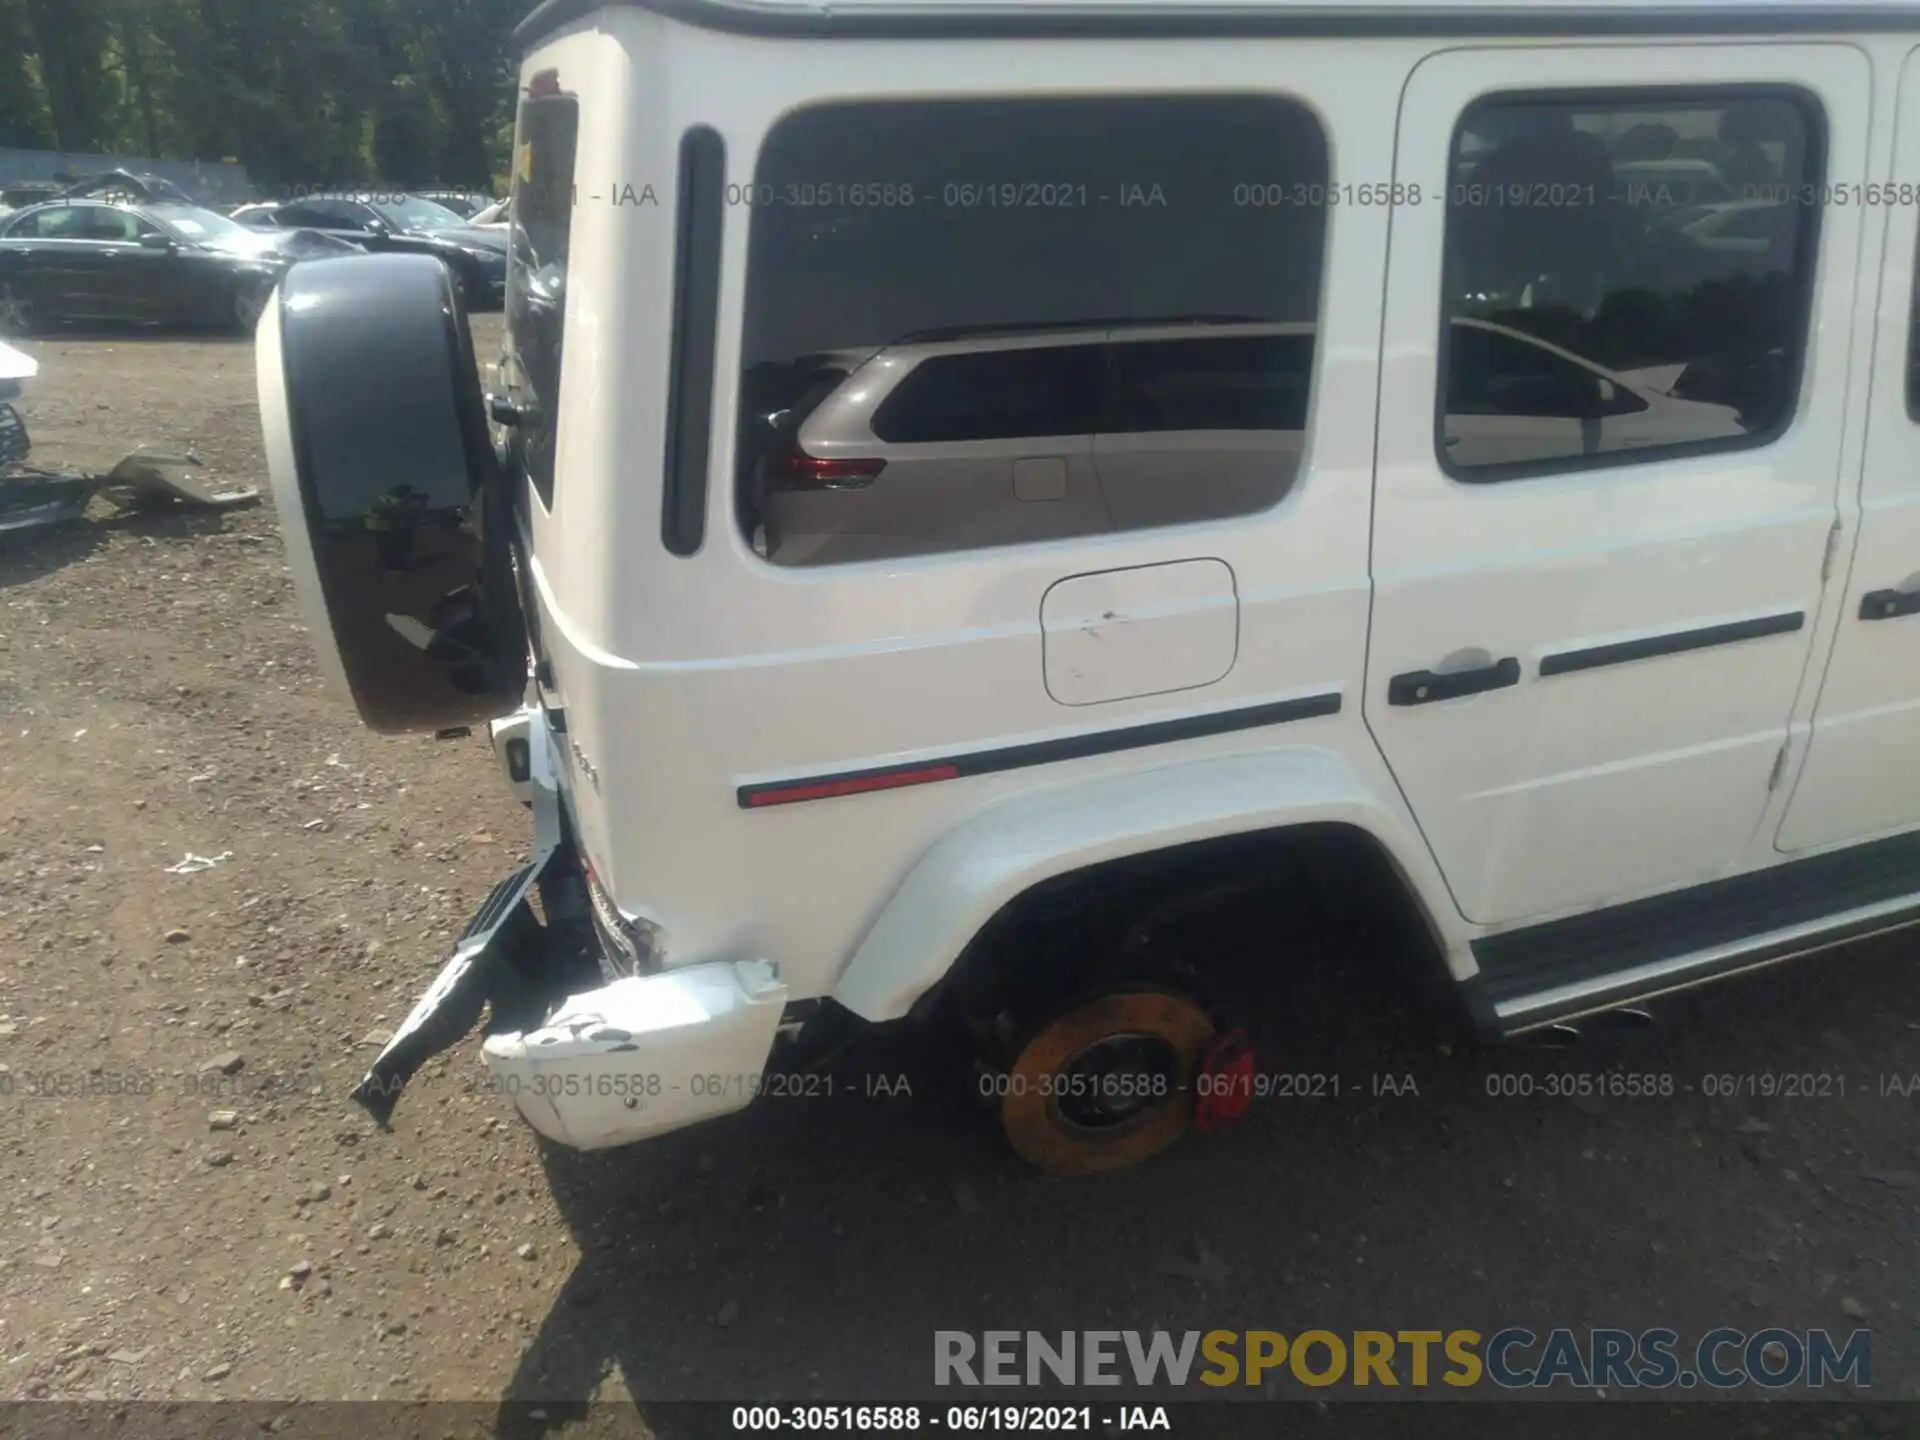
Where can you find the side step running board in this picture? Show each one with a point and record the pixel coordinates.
(1606, 959)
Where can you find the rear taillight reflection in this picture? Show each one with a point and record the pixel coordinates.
(794, 469)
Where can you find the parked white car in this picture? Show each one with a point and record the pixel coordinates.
(984, 507)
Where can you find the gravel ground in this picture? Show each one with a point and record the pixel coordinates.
(189, 1206)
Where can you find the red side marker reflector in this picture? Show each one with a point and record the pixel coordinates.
(1227, 1089)
(852, 785)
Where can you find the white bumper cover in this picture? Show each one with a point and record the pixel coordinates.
(610, 1066)
(644, 1055)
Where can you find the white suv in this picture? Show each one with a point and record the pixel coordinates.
(955, 516)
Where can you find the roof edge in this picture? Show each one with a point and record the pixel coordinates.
(1037, 18)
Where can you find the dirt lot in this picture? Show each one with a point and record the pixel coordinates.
(157, 700)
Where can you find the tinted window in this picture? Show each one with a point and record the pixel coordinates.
(410, 212)
(58, 222)
(542, 212)
(326, 215)
(1493, 374)
(994, 395)
(1580, 224)
(1253, 382)
(1749, 225)
(925, 250)
(122, 225)
(1913, 351)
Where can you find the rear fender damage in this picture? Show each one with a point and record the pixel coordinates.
(607, 1064)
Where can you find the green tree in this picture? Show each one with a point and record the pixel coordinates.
(304, 92)
(70, 37)
(23, 106)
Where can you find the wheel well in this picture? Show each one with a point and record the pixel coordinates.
(1160, 917)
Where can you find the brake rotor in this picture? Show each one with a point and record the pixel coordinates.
(1106, 1084)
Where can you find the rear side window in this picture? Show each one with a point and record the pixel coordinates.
(994, 395)
(104, 223)
(1913, 350)
(1090, 289)
(1490, 373)
(542, 220)
(1663, 240)
(1251, 382)
(324, 215)
(58, 222)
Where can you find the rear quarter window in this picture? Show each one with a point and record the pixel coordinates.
(995, 395)
(542, 211)
(949, 240)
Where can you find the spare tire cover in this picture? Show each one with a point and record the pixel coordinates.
(378, 447)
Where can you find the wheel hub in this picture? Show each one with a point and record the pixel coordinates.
(1114, 1080)
(1106, 1083)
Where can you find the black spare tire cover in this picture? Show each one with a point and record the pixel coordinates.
(378, 447)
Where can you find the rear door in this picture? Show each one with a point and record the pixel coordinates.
(1862, 773)
(1598, 569)
(132, 282)
(53, 246)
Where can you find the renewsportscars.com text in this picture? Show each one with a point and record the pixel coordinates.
(1514, 1358)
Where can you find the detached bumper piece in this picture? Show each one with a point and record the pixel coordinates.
(32, 498)
(644, 1055)
(33, 502)
(452, 1004)
(14, 444)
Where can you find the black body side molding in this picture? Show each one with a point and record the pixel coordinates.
(1676, 643)
(1039, 752)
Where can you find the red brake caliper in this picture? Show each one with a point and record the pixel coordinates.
(1225, 1085)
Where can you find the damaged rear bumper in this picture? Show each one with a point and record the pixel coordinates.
(644, 1055)
(610, 1064)
(450, 1007)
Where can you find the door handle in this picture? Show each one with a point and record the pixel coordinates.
(1889, 604)
(1424, 687)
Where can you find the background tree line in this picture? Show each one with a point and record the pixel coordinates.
(302, 92)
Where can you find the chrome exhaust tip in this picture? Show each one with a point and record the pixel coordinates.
(1558, 1036)
(1621, 1022)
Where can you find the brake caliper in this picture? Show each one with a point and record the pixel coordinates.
(1225, 1082)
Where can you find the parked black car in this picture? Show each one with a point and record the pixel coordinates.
(160, 262)
(125, 185)
(478, 258)
(464, 203)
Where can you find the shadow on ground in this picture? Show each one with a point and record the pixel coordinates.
(811, 1248)
(28, 555)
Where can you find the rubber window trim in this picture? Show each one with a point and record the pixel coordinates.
(700, 220)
